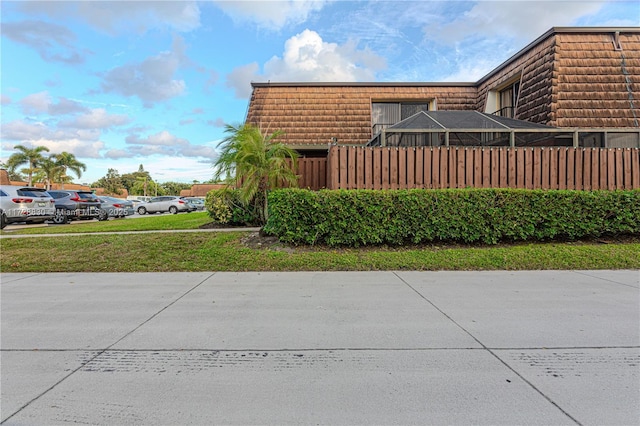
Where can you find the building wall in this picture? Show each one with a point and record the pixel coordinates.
(314, 114)
(596, 85)
(568, 79)
(536, 68)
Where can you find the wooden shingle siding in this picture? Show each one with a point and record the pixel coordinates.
(597, 84)
(536, 83)
(316, 114)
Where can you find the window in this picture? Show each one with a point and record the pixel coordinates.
(503, 99)
(385, 114)
(508, 100)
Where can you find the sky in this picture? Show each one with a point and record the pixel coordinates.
(124, 83)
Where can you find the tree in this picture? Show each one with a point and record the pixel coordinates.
(132, 181)
(68, 161)
(111, 182)
(255, 163)
(48, 172)
(174, 188)
(13, 174)
(32, 157)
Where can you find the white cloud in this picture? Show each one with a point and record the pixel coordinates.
(162, 138)
(42, 103)
(241, 77)
(307, 57)
(166, 144)
(96, 119)
(116, 154)
(36, 103)
(272, 15)
(54, 43)
(81, 143)
(517, 19)
(5, 100)
(121, 16)
(153, 80)
(80, 148)
(80, 136)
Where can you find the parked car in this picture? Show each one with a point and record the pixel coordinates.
(165, 203)
(114, 207)
(25, 204)
(73, 205)
(198, 202)
(135, 202)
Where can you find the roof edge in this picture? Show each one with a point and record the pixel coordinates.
(551, 32)
(360, 84)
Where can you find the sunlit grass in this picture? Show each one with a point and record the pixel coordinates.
(225, 252)
(155, 222)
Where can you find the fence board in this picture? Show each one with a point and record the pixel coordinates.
(635, 169)
(477, 168)
(360, 168)
(611, 169)
(453, 167)
(562, 168)
(377, 169)
(420, 166)
(586, 169)
(435, 167)
(626, 166)
(343, 169)
(486, 165)
(456, 167)
(386, 153)
(595, 169)
(367, 164)
(411, 168)
(553, 168)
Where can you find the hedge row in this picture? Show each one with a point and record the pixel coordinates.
(396, 217)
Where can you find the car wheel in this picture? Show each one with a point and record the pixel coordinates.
(3, 220)
(173, 210)
(60, 217)
(141, 210)
(103, 215)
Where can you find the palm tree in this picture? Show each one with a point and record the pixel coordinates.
(31, 156)
(255, 163)
(68, 161)
(48, 172)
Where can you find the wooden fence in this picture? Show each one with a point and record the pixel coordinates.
(458, 167)
(312, 173)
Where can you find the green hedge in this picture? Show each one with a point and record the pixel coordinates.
(225, 207)
(396, 217)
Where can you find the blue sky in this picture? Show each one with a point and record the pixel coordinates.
(124, 83)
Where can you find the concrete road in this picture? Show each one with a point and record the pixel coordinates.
(339, 348)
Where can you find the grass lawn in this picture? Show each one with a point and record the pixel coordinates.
(232, 251)
(152, 223)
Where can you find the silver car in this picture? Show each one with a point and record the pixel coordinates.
(114, 207)
(198, 202)
(165, 203)
(25, 204)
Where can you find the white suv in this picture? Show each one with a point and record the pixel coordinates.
(25, 204)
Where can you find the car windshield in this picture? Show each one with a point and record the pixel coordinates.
(87, 196)
(33, 192)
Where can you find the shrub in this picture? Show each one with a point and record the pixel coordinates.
(225, 206)
(396, 217)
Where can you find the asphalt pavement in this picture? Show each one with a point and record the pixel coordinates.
(334, 348)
